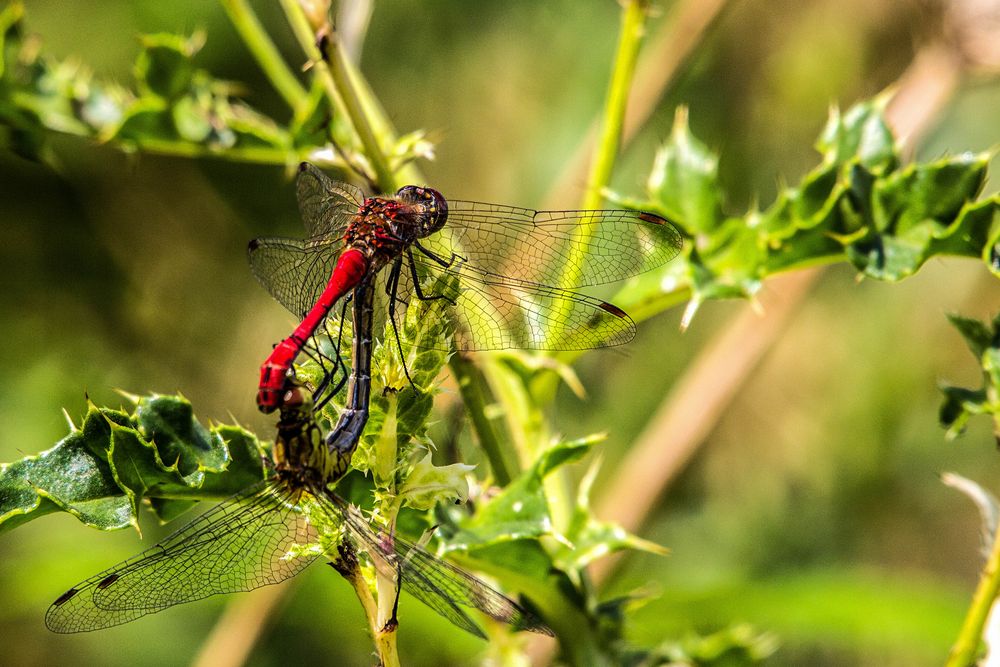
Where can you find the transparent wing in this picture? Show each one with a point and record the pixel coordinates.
(441, 586)
(551, 247)
(326, 206)
(294, 271)
(495, 312)
(238, 545)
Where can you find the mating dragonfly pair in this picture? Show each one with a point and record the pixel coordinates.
(258, 536)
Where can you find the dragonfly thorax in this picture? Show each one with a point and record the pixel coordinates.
(384, 227)
(300, 456)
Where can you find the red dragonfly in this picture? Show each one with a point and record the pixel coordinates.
(419, 234)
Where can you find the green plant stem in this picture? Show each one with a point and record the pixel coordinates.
(966, 647)
(470, 386)
(630, 37)
(383, 636)
(633, 21)
(632, 28)
(265, 53)
(330, 66)
(247, 154)
(337, 59)
(612, 121)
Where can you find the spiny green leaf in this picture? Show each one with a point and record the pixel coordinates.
(589, 538)
(684, 179)
(521, 509)
(858, 204)
(73, 476)
(179, 438)
(861, 133)
(137, 467)
(102, 470)
(961, 403)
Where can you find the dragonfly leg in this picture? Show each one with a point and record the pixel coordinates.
(392, 285)
(320, 395)
(320, 399)
(416, 283)
(445, 263)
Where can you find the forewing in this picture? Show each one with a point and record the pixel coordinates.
(436, 583)
(294, 271)
(494, 312)
(561, 248)
(326, 206)
(238, 545)
(440, 585)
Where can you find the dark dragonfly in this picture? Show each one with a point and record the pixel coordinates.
(503, 261)
(272, 531)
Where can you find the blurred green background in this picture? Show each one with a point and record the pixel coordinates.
(814, 508)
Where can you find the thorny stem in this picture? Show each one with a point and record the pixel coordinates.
(329, 65)
(384, 636)
(265, 53)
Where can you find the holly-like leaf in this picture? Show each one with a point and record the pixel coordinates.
(858, 204)
(589, 538)
(960, 403)
(520, 510)
(74, 476)
(104, 469)
(684, 180)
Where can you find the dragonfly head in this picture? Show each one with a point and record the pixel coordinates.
(430, 205)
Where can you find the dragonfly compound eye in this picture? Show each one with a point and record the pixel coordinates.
(430, 202)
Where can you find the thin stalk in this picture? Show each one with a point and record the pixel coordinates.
(384, 635)
(329, 65)
(470, 386)
(265, 52)
(339, 69)
(247, 154)
(612, 121)
(306, 38)
(632, 30)
(966, 647)
(622, 73)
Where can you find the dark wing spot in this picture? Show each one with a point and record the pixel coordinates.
(65, 597)
(303, 166)
(613, 309)
(652, 217)
(254, 244)
(107, 581)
